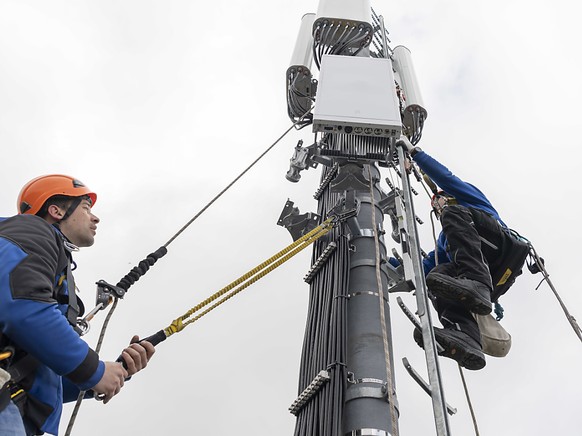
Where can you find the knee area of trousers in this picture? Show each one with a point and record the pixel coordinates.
(454, 210)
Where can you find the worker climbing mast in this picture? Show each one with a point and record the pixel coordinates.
(363, 100)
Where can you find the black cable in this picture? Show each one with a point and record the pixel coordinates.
(341, 38)
(179, 232)
(296, 108)
(357, 37)
(325, 340)
(323, 38)
(330, 45)
(314, 47)
(351, 36)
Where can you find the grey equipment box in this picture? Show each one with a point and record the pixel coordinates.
(357, 95)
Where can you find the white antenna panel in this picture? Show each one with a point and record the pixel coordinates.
(355, 10)
(356, 95)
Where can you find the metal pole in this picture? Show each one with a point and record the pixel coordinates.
(422, 300)
(366, 410)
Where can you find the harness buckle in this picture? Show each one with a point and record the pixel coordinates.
(296, 223)
(105, 295)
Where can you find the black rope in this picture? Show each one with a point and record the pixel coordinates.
(142, 267)
(235, 180)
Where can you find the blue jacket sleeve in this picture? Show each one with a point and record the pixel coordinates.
(465, 193)
(71, 391)
(428, 263)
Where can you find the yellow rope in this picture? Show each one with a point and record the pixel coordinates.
(250, 277)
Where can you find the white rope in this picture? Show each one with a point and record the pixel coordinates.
(389, 382)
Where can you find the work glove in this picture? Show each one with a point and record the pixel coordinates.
(405, 143)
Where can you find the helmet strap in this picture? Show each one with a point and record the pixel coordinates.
(74, 205)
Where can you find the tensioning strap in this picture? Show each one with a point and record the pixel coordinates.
(242, 282)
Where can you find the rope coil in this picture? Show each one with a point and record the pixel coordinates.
(137, 271)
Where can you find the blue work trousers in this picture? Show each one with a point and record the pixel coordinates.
(11, 422)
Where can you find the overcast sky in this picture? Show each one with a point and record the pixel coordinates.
(158, 105)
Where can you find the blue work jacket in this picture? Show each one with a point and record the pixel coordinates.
(33, 304)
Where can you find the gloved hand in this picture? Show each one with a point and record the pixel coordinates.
(405, 143)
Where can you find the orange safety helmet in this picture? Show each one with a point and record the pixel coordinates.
(34, 194)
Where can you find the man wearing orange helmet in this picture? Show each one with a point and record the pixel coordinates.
(43, 360)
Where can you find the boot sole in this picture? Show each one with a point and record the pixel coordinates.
(470, 359)
(448, 291)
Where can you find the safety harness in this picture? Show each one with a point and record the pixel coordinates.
(513, 253)
(511, 249)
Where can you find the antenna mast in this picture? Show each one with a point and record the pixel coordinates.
(359, 106)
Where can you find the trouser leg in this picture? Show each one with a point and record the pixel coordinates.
(464, 244)
(11, 422)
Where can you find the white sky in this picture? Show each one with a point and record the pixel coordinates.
(158, 105)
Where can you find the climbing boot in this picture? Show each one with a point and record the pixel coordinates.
(474, 295)
(458, 346)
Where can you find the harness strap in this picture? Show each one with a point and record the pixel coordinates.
(11, 390)
(23, 367)
(4, 397)
(73, 310)
(74, 205)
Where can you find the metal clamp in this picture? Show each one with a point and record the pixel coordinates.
(302, 159)
(380, 390)
(344, 211)
(105, 291)
(320, 379)
(105, 294)
(326, 181)
(368, 432)
(350, 177)
(320, 262)
(297, 224)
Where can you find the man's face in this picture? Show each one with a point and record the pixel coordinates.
(81, 226)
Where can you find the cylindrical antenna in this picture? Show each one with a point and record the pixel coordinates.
(345, 9)
(409, 83)
(303, 52)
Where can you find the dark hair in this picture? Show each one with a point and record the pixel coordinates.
(61, 201)
(64, 202)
